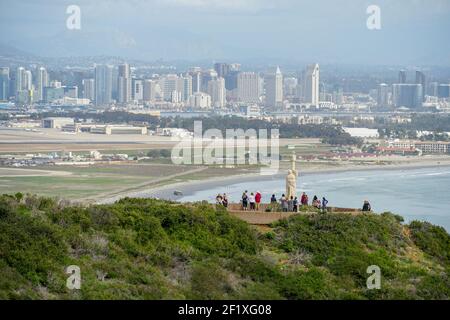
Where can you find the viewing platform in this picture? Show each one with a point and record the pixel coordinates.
(265, 217)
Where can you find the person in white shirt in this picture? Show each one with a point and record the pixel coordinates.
(251, 199)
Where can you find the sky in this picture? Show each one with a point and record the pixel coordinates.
(413, 32)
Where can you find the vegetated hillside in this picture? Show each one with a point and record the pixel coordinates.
(152, 249)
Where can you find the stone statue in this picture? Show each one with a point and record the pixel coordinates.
(291, 179)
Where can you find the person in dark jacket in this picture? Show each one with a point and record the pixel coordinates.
(366, 206)
(273, 199)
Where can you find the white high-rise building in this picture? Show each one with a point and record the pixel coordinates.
(42, 82)
(248, 87)
(20, 75)
(150, 90)
(217, 91)
(200, 100)
(89, 89)
(27, 83)
(124, 90)
(176, 88)
(169, 86)
(274, 88)
(311, 84)
(103, 84)
(383, 95)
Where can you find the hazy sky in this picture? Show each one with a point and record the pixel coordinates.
(413, 32)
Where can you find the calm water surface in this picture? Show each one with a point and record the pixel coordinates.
(416, 194)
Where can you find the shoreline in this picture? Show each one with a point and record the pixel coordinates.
(166, 191)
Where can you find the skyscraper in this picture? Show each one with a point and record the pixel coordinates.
(149, 90)
(137, 91)
(27, 80)
(196, 76)
(103, 84)
(420, 79)
(222, 69)
(402, 76)
(42, 82)
(443, 91)
(274, 88)
(4, 84)
(207, 76)
(216, 89)
(185, 86)
(169, 86)
(248, 87)
(407, 95)
(311, 84)
(383, 95)
(20, 75)
(124, 84)
(89, 89)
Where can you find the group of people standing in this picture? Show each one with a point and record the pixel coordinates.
(292, 204)
(251, 201)
(222, 199)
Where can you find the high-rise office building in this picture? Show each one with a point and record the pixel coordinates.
(402, 76)
(207, 76)
(274, 88)
(196, 75)
(89, 89)
(149, 90)
(185, 86)
(248, 87)
(311, 84)
(137, 91)
(42, 82)
(407, 95)
(200, 100)
(420, 79)
(27, 83)
(169, 85)
(23, 86)
(103, 84)
(290, 86)
(222, 69)
(443, 91)
(4, 83)
(433, 89)
(383, 95)
(231, 76)
(124, 90)
(18, 84)
(217, 91)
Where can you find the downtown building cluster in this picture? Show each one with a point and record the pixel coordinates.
(412, 95)
(198, 88)
(223, 86)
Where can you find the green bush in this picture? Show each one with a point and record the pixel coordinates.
(433, 240)
(153, 249)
